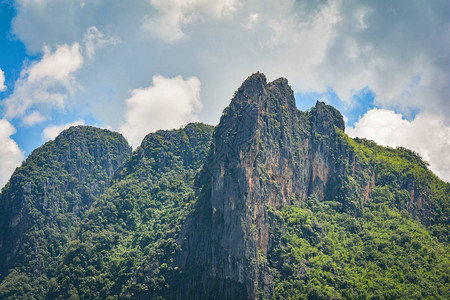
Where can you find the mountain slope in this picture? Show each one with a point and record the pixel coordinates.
(265, 154)
(48, 195)
(137, 217)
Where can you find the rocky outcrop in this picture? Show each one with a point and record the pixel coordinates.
(265, 153)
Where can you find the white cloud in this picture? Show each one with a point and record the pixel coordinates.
(299, 42)
(427, 134)
(10, 154)
(48, 81)
(57, 65)
(397, 50)
(252, 21)
(33, 118)
(2, 81)
(168, 103)
(318, 45)
(94, 39)
(51, 132)
(173, 15)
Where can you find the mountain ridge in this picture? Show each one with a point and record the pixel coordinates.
(273, 202)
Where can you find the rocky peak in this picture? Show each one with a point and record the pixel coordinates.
(256, 161)
(253, 87)
(325, 118)
(281, 89)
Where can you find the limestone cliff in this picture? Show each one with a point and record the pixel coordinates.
(265, 153)
(268, 160)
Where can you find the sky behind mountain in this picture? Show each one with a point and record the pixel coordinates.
(139, 66)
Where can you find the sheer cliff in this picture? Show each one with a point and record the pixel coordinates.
(267, 156)
(265, 153)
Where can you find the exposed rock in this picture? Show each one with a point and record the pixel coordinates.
(264, 153)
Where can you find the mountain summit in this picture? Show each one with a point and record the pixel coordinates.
(265, 154)
(273, 202)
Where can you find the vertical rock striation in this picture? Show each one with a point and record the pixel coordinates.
(265, 153)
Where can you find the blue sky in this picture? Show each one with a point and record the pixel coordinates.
(152, 64)
(12, 50)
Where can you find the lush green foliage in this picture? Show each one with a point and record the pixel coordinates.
(46, 199)
(326, 254)
(136, 221)
(403, 181)
(383, 236)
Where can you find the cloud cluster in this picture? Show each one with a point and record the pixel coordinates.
(167, 103)
(428, 135)
(10, 154)
(173, 15)
(46, 82)
(397, 51)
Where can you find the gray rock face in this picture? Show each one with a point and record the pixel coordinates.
(264, 153)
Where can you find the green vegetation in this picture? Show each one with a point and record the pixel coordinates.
(383, 236)
(131, 230)
(45, 200)
(87, 219)
(327, 254)
(401, 180)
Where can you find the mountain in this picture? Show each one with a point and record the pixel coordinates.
(137, 216)
(273, 202)
(45, 199)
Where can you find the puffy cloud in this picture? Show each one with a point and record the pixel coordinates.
(168, 103)
(173, 15)
(10, 154)
(428, 135)
(47, 81)
(396, 50)
(50, 81)
(52, 131)
(57, 65)
(2, 81)
(33, 118)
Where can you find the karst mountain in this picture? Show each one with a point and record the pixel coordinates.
(272, 203)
